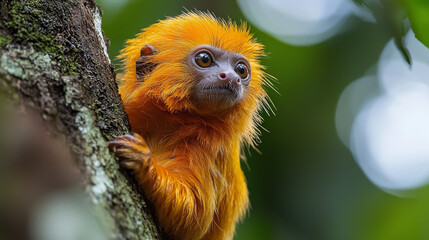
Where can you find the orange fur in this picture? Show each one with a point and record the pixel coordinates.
(193, 176)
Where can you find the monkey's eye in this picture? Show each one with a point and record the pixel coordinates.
(203, 60)
(242, 70)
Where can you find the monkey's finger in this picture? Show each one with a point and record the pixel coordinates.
(132, 160)
(134, 165)
(117, 145)
(133, 154)
(127, 137)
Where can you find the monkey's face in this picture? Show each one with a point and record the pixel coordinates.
(195, 63)
(221, 77)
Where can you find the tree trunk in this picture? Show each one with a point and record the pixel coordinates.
(54, 67)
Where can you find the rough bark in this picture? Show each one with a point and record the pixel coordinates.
(54, 62)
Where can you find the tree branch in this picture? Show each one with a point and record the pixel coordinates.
(54, 62)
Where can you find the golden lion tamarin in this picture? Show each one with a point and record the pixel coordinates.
(192, 87)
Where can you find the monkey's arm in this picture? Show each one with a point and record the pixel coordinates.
(181, 194)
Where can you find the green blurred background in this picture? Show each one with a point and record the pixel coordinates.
(306, 184)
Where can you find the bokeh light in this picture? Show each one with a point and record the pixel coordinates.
(353, 98)
(388, 132)
(300, 22)
(390, 139)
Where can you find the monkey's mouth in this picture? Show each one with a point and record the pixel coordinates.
(217, 96)
(221, 90)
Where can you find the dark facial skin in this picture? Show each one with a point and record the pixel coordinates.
(222, 77)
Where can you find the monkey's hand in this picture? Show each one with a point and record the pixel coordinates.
(132, 151)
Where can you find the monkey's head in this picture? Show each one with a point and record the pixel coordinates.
(194, 62)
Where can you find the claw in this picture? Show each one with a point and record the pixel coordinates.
(128, 137)
(115, 145)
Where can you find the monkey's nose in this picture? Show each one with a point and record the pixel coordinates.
(231, 77)
(222, 76)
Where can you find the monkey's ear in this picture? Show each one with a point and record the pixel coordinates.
(143, 67)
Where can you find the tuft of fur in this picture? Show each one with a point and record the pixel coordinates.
(194, 179)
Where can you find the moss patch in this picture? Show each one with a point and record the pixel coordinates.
(29, 23)
(4, 41)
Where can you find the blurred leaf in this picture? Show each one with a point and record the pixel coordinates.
(394, 16)
(418, 13)
(366, 3)
(391, 14)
